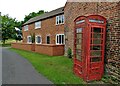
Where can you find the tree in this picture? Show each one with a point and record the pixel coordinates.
(33, 14)
(8, 27)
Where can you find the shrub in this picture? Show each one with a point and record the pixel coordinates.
(69, 53)
(33, 37)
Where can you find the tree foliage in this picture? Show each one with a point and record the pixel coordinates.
(32, 14)
(8, 27)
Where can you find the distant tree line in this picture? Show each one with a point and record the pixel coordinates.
(8, 25)
(32, 14)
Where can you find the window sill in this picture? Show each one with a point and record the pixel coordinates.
(25, 30)
(60, 44)
(29, 43)
(60, 24)
(38, 43)
(37, 28)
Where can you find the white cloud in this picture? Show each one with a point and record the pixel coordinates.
(19, 8)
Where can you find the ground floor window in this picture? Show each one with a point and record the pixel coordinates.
(60, 39)
(48, 40)
(29, 40)
(38, 39)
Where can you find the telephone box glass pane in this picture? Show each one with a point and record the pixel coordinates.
(95, 59)
(79, 30)
(79, 41)
(78, 54)
(96, 53)
(78, 46)
(95, 47)
(97, 41)
(97, 30)
(97, 35)
(79, 35)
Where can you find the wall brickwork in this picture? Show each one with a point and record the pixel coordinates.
(22, 46)
(111, 11)
(51, 50)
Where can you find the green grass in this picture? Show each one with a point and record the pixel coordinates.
(7, 43)
(58, 69)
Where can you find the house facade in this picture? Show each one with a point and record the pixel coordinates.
(48, 28)
(48, 31)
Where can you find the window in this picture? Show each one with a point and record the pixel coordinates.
(29, 40)
(60, 19)
(38, 40)
(25, 27)
(60, 39)
(48, 40)
(37, 25)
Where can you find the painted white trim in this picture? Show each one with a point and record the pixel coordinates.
(36, 39)
(61, 39)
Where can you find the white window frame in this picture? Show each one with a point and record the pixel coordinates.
(61, 39)
(28, 41)
(26, 28)
(36, 39)
(60, 17)
(38, 25)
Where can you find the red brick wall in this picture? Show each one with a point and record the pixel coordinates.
(48, 27)
(52, 50)
(58, 50)
(111, 11)
(22, 46)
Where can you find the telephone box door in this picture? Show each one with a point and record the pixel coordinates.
(96, 53)
(79, 46)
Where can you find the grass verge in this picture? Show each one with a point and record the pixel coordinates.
(7, 43)
(58, 69)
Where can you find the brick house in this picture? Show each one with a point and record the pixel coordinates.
(49, 33)
(46, 27)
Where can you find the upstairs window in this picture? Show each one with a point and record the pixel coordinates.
(60, 19)
(29, 39)
(25, 27)
(37, 25)
(38, 40)
(60, 39)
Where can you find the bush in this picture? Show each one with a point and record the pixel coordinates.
(69, 53)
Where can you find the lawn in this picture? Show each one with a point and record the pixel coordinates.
(58, 69)
(7, 43)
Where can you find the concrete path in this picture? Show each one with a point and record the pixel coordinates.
(17, 70)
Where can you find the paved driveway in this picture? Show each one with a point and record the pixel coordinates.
(17, 70)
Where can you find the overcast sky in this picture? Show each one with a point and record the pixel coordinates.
(19, 8)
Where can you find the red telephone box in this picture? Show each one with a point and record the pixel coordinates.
(89, 45)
